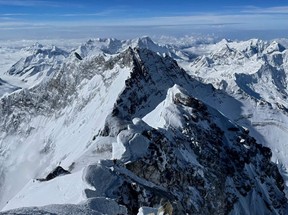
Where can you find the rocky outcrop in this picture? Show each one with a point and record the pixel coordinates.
(58, 171)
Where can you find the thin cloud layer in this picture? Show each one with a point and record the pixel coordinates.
(29, 3)
(270, 10)
(74, 19)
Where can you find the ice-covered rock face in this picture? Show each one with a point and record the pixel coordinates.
(136, 134)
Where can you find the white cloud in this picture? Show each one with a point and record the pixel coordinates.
(101, 13)
(244, 21)
(14, 14)
(35, 3)
(270, 10)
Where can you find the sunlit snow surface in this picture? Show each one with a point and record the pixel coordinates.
(68, 136)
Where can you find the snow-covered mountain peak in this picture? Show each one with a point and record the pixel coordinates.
(267, 78)
(119, 128)
(148, 43)
(34, 47)
(247, 48)
(229, 61)
(38, 48)
(99, 46)
(145, 42)
(39, 64)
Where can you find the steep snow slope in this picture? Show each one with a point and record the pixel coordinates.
(169, 150)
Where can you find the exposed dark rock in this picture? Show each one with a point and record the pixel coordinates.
(78, 56)
(58, 171)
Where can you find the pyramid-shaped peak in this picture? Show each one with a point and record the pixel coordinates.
(225, 41)
(275, 46)
(145, 42)
(146, 39)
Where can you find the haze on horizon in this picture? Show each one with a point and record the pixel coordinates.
(53, 19)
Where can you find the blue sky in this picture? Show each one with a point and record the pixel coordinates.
(126, 18)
